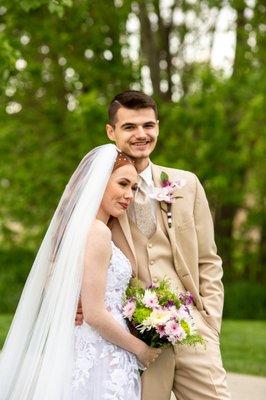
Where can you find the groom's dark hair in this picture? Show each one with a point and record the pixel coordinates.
(132, 99)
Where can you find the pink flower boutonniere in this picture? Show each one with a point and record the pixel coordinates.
(165, 192)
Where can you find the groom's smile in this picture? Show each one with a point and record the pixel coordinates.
(141, 145)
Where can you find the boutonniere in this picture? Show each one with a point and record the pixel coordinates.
(165, 192)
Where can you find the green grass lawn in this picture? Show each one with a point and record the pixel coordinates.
(5, 321)
(243, 345)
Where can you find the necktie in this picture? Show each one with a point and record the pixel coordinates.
(143, 208)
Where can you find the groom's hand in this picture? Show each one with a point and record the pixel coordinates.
(79, 314)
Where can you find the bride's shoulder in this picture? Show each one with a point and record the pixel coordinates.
(100, 232)
(98, 248)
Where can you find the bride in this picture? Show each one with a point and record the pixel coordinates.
(45, 355)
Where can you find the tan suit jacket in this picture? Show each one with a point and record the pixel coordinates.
(192, 241)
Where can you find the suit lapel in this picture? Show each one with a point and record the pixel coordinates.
(124, 224)
(156, 173)
(173, 232)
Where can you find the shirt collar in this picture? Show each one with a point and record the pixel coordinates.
(146, 175)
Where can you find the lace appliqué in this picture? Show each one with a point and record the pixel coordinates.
(103, 370)
(86, 340)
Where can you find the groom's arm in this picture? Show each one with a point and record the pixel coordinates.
(79, 314)
(210, 264)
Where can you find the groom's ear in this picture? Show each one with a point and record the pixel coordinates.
(110, 132)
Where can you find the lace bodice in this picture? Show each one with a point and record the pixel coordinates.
(103, 370)
(118, 277)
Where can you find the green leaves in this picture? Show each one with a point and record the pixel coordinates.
(54, 6)
(79, 54)
(8, 57)
(141, 314)
(164, 177)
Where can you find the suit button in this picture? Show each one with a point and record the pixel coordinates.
(151, 262)
(150, 245)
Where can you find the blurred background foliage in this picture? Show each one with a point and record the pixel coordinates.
(62, 61)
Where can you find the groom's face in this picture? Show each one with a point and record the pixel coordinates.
(135, 132)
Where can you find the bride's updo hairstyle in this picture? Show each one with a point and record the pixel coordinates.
(122, 159)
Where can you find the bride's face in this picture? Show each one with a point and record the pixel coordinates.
(120, 189)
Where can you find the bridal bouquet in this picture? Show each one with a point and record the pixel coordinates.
(160, 316)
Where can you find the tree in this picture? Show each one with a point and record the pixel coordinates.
(61, 63)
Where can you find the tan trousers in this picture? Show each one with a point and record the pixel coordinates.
(192, 373)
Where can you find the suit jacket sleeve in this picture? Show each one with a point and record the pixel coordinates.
(210, 264)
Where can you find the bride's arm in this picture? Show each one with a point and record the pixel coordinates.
(97, 257)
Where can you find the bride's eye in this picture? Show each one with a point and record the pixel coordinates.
(124, 184)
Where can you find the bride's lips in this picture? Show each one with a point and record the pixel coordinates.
(124, 205)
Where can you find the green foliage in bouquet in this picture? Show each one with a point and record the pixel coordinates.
(141, 314)
(165, 293)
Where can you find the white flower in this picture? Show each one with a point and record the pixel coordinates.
(174, 312)
(179, 183)
(150, 299)
(165, 193)
(160, 194)
(128, 309)
(157, 317)
(183, 313)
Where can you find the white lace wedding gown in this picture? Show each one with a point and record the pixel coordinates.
(103, 370)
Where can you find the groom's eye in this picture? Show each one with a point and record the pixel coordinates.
(149, 125)
(129, 127)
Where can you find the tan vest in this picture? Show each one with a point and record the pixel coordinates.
(154, 265)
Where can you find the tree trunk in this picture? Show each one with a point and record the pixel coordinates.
(149, 47)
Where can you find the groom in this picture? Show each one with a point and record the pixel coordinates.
(177, 243)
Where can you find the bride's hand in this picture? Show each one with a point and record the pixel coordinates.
(148, 355)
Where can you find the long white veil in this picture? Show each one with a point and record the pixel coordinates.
(36, 360)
